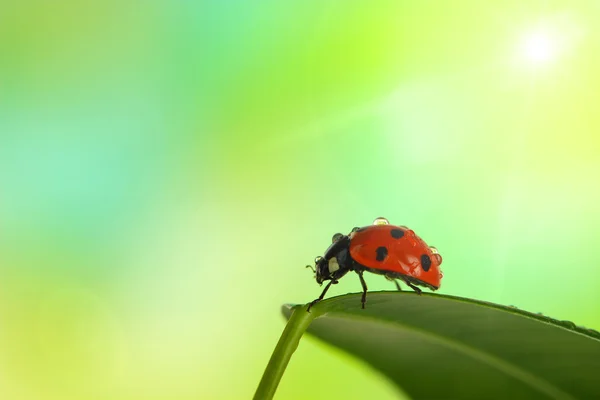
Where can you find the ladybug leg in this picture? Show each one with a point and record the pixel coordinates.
(312, 303)
(391, 278)
(363, 300)
(397, 285)
(413, 287)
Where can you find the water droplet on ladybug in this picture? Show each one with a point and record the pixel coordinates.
(436, 254)
(408, 232)
(381, 221)
(336, 237)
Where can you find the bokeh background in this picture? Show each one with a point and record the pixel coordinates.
(167, 169)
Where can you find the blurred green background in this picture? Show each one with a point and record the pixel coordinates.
(167, 169)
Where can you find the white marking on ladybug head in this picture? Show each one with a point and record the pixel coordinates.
(333, 265)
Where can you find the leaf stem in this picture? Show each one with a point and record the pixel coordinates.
(288, 343)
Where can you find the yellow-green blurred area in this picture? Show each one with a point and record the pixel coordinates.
(167, 169)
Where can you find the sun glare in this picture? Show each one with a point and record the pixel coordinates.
(539, 47)
(549, 41)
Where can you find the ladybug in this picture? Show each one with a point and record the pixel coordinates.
(395, 252)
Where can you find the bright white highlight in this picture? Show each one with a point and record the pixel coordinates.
(553, 38)
(539, 47)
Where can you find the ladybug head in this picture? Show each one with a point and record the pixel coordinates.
(321, 270)
(335, 262)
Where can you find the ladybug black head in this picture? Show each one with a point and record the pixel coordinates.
(321, 273)
(335, 262)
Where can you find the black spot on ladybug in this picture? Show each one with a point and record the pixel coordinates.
(425, 262)
(382, 253)
(397, 233)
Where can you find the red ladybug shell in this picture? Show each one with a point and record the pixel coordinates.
(397, 252)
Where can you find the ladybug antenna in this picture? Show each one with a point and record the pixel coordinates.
(310, 266)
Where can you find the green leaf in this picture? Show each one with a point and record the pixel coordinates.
(436, 346)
